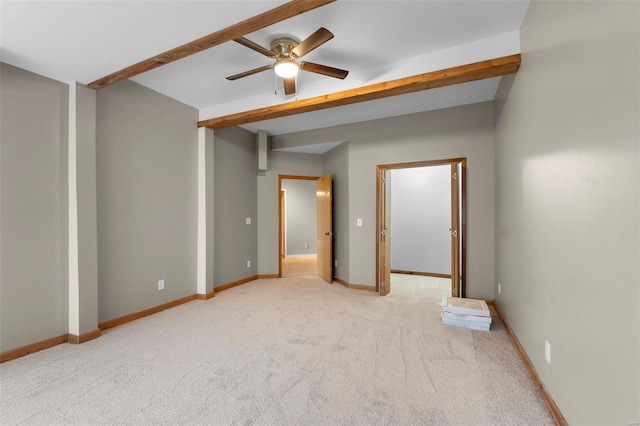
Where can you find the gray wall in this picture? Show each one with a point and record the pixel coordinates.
(567, 205)
(235, 188)
(465, 131)
(147, 199)
(300, 208)
(421, 219)
(336, 162)
(278, 163)
(33, 209)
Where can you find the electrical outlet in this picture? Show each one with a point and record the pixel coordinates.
(161, 285)
(248, 264)
(335, 263)
(547, 351)
(306, 246)
(359, 221)
(248, 221)
(499, 289)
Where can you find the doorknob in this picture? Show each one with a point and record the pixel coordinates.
(328, 233)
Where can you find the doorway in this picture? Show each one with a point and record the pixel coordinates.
(297, 226)
(428, 243)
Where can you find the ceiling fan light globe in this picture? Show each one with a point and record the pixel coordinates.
(286, 68)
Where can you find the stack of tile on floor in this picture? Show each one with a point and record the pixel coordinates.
(468, 313)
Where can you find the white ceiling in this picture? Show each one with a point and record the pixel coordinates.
(375, 40)
(318, 148)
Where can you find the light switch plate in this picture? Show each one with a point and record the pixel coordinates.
(359, 221)
(248, 221)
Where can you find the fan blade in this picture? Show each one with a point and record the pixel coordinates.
(289, 85)
(316, 39)
(254, 46)
(250, 72)
(324, 70)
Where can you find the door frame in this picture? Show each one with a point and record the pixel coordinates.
(380, 197)
(281, 214)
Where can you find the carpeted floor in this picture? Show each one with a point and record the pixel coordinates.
(410, 285)
(281, 351)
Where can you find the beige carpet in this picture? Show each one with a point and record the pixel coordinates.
(282, 351)
(411, 285)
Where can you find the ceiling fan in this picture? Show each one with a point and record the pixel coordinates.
(286, 52)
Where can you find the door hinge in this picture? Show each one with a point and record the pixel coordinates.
(382, 286)
(454, 176)
(383, 232)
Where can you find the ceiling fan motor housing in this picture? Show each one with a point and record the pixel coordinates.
(283, 46)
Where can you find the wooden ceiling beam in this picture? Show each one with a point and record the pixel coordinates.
(446, 77)
(286, 11)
